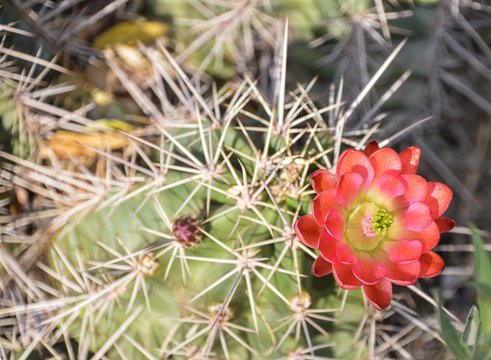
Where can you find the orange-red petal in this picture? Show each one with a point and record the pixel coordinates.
(385, 161)
(323, 203)
(308, 231)
(348, 188)
(438, 199)
(368, 270)
(431, 264)
(429, 237)
(322, 180)
(417, 217)
(410, 160)
(345, 253)
(353, 160)
(403, 274)
(371, 147)
(327, 247)
(391, 185)
(344, 277)
(444, 224)
(404, 251)
(379, 294)
(321, 267)
(416, 188)
(334, 224)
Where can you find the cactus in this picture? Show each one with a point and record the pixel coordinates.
(183, 245)
(187, 246)
(199, 255)
(226, 38)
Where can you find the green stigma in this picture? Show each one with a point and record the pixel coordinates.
(382, 221)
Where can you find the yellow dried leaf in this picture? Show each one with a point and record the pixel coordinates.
(129, 33)
(64, 143)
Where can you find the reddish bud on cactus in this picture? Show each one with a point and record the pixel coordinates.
(186, 231)
(376, 222)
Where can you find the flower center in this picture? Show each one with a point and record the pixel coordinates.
(366, 226)
(381, 221)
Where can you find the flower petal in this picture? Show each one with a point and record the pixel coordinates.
(438, 199)
(416, 188)
(404, 251)
(345, 253)
(308, 231)
(445, 224)
(410, 160)
(322, 180)
(379, 294)
(344, 277)
(429, 237)
(348, 188)
(417, 217)
(321, 267)
(431, 264)
(371, 147)
(327, 247)
(368, 270)
(353, 160)
(385, 160)
(322, 204)
(334, 224)
(391, 185)
(403, 274)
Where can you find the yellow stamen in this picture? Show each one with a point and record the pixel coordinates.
(382, 221)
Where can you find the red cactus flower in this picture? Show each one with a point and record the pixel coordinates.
(375, 222)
